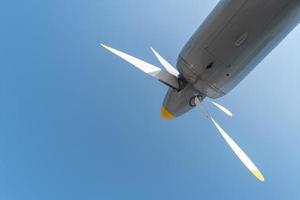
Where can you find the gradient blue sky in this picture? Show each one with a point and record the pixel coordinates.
(79, 123)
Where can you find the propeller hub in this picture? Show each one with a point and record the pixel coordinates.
(195, 100)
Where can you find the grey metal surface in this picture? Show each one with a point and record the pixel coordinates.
(179, 102)
(234, 38)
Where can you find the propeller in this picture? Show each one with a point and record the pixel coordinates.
(222, 108)
(233, 145)
(162, 75)
(169, 76)
(169, 68)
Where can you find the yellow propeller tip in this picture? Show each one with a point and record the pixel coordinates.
(258, 175)
(165, 114)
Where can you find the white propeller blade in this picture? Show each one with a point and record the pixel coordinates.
(239, 152)
(145, 67)
(165, 64)
(222, 108)
(162, 75)
(233, 145)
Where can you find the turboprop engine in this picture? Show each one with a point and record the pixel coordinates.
(182, 97)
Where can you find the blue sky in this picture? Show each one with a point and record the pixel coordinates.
(79, 123)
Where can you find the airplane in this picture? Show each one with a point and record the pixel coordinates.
(235, 37)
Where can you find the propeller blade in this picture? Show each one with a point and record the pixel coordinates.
(239, 152)
(222, 108)
(159, 74)
(168, 67)
(233, 145)
(142, 65)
